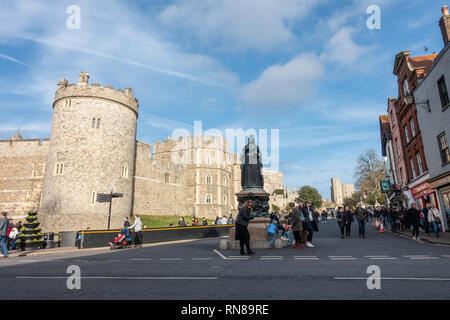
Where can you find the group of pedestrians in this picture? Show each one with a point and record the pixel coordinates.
(402, 219)
(195, 222)
(303, 220)
(9, 233)
(346, 216)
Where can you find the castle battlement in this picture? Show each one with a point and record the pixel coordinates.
(192, 142)
(84, 90)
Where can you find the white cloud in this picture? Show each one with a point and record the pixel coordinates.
(235, 24)
(285, 85)
(342, 49)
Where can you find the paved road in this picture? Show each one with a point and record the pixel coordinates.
(334, 269)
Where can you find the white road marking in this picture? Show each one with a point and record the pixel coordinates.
(424, 258)
(446, 255)
(349, 258)
(141, 259)
(387, 278)
(307, 258)
(125, 278)
(271, 258)
(231, 257)
(170, 259)
(202, 258)
(383, 258)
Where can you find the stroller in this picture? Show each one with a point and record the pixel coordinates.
(123, 239)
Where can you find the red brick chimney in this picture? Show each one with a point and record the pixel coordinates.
(444, 23)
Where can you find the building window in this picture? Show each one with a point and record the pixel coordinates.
(59, 168)
(406, 134)
(443, 93)
(413, 167)
(413, 128)
(401, 177)
(443, 146)
(98, 123)
(93, 123)
(392, 118)
(94, 197)
(208, 198)
(167, 177)
(419, 163)
(125, 172)
(28, 193)
(208, 179)
(406, 87)
(397, 146)
(224, 199)
(34, 173)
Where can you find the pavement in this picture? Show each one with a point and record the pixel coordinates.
(334, 269)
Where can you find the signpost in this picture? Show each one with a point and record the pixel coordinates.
(385, 186)
(107, 197)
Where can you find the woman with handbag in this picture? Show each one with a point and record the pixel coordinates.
(434, 217)
(241, 225)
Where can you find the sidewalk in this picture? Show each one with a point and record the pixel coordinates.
(65, 250)
(444, 237)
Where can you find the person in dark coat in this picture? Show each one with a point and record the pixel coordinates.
(413, 219)
(340, 220)
(393, 219)
(348, 218)
(426, 225)
(4, 222)
(295, 217)
(309, 224)
(361, 216)
(242, 220)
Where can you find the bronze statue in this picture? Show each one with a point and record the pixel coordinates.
(251, 166)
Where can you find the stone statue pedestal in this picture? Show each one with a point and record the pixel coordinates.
(259, 238)
(260, 200)
(257, 229)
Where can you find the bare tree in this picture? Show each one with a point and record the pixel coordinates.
(369, 171)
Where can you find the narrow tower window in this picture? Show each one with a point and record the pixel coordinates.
(93, 123)
(98, 123)
(208, 198)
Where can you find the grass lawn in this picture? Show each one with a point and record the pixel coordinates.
(165, 221)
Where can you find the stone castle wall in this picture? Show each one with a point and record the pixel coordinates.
(22, 167)
(93, 149)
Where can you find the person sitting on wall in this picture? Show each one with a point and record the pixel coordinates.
(205, 222)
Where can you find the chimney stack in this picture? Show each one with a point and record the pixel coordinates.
(444, 23)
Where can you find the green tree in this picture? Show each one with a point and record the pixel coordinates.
(275, 207)
(353, 200)
(309, 193)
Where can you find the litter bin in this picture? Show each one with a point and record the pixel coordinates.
(49, 238)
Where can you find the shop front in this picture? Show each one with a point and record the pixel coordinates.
(423, 194)
(442, 184)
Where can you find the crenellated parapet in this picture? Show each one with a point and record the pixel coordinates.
(94, 90)
(191, 142)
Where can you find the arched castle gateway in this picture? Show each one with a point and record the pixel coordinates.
(93, 149)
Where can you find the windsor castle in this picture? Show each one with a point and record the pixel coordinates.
(93, 149)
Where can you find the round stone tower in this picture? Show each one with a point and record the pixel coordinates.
(92, 151)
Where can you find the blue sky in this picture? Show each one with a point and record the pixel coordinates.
(310, 68)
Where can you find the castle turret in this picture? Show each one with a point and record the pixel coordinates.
(92, 150)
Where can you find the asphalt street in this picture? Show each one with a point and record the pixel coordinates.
(334, 269)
